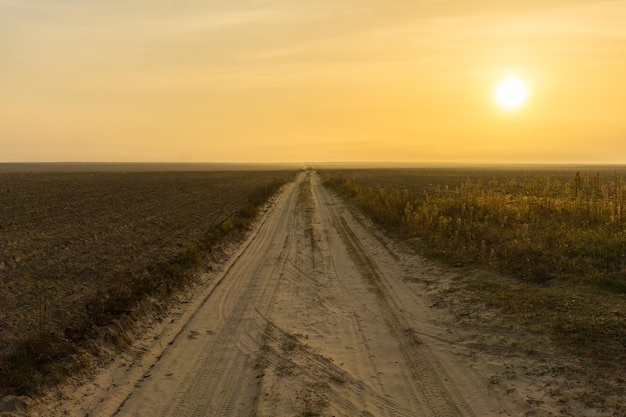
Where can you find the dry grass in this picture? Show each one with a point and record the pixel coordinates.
(82, 253)
(562, 234)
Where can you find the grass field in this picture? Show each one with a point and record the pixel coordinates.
(559, 233)
(79, 251)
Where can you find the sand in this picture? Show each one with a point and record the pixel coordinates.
(316, 314)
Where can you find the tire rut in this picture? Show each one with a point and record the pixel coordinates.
(216, 387)
(302, 322)
(221, 380)
(438, 395)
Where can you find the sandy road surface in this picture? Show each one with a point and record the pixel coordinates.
(312, 316)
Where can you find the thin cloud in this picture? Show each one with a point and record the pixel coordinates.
(39, 5)
(209, 21)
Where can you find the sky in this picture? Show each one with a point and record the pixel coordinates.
(311, 81)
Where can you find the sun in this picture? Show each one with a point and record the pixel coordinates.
(511, 93)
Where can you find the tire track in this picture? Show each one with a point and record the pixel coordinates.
(321, 372)
(216, 387)
(434, 387)
(302, 322)
(306, 362)
(221, 380)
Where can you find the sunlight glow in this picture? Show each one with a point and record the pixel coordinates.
(290, 81)
(511, 93)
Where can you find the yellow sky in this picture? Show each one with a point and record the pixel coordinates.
(296, 81)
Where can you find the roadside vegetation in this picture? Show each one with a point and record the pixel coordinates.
(561, 235)
(85, 257)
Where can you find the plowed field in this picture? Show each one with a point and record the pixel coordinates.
(66, 236)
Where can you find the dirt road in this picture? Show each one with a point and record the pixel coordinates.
(312, 316)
